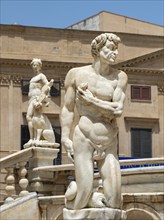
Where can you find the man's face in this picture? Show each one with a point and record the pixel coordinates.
(36, 67)
(109, 52)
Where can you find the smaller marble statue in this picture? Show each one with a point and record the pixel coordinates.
(41, 132)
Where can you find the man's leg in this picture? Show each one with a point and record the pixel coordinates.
(109, 169)
(29, 120)
(83, 170)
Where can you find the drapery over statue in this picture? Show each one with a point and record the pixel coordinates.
(98, 93)
(40, 129)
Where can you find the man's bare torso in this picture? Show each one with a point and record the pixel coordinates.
(94, 122)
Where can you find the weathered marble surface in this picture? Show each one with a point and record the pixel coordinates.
(41, 132)
(97, 91)
(94, 213)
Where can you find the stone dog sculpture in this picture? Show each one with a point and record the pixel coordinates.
(41, 132)
(98, 93)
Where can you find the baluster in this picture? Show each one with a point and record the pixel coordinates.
(10, 185)
(44, 211)
(23, 182)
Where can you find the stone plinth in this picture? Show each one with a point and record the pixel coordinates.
(94, 214)
(41, 181)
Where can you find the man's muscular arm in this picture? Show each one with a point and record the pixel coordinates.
(67, 114)
(87, 98)
(115, 106)
(119, 93)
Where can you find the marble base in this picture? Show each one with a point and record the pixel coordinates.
(94, 214)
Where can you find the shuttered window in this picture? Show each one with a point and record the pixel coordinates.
(140, 92)
(141, 142)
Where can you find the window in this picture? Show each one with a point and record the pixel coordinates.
(25, 87)
(140, 92)
(141, 142)
(25, 136)
(57, 131)
(55, 89)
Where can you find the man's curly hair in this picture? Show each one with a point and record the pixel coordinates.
(100, 41)
(36, 60)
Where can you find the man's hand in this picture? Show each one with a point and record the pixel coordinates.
(83, 93)
(68, 145)
(37, 104)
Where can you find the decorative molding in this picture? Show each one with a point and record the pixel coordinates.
(5, 80)
(142, 70)
(161, 88)
(16, 80)
(143, 119)
(46, 64)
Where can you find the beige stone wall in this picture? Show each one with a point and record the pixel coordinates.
(20, 42)
(142, 115)
(106, 21)
(114, 22)
(10, 111)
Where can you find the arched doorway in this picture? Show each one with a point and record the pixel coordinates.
(141, 214)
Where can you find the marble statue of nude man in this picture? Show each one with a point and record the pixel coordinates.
(38, 123)
(98, 93)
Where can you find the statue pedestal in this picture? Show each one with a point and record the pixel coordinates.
(94, 214)
(41, 181)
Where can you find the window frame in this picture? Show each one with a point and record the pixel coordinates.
(141, 141)
(141, 93)
(27, 83)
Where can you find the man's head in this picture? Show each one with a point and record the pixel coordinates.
(100, 41)
(36, 64)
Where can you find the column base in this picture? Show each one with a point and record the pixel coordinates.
(94, 214)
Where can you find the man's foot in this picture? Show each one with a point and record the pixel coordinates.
(28, 144)
(97, 200)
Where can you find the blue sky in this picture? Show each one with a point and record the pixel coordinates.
(60, 14)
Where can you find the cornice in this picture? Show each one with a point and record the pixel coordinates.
(135, 75)
(132, 70)
(141, 59)
(46, 64)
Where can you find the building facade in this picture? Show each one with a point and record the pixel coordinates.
(141, 55)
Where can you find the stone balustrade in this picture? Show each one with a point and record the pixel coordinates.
(126, 164)
(9, 163)
(41, 172)
(138, 175)
(16, 167)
